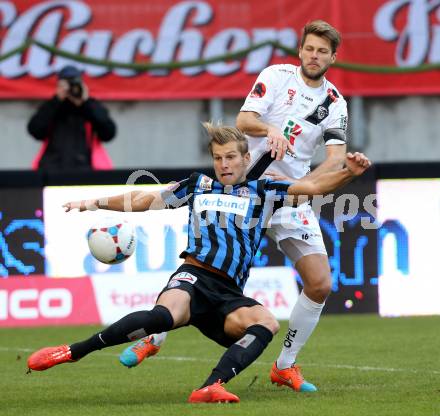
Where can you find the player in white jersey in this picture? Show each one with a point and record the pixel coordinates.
(292, 110)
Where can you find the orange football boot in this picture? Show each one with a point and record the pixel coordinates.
(48, 357)
(290, 377)
(215, 393)
(137, 352)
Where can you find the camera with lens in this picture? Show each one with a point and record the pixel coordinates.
(75, 87)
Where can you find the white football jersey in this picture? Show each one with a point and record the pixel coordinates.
(306, 116)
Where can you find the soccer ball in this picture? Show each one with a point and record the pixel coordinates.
(112, 244)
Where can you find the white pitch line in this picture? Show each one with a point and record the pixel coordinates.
(6, 349)
(369, 368)
(322, 365)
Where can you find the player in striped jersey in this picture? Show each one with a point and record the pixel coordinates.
(293, 109)
(227, 219)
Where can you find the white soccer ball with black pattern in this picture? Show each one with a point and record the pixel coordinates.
(112, 244)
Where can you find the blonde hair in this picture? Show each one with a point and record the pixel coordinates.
(323, 30)
(226, 134)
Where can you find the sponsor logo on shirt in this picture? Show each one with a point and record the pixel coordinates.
(259, 90)
(292, 131)
(291, 94)
(223, 203)
(286, 70)
(307, 98)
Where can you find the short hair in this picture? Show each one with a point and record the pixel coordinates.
(226, 134)
(323, 30)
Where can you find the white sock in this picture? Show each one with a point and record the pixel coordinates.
(303, 320)
(157, 339)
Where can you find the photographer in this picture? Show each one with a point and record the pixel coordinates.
(72, 125)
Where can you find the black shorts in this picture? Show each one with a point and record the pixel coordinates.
(213, 297)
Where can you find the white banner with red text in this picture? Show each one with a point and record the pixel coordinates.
(103, 299)
(210, 48)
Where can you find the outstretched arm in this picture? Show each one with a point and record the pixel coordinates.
(134, 201)
(355, 165)
(334, 160)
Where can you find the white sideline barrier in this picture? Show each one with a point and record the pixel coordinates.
(117, 295)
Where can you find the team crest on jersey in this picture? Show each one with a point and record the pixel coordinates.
(205, 183)
(243, 192)
(259, 90)
(173, 283)
(291, 94)
(292, 131)
(321, 112)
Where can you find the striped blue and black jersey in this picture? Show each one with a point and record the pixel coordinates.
(226, 223)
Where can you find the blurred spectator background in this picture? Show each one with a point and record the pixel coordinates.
(393, 111)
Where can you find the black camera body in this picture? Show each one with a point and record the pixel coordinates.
(75, 87)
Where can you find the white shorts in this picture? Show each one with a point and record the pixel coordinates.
(301, 225)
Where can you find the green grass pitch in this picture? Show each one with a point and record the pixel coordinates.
(362, 365)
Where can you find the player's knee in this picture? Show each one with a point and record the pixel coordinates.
(271, 324)
(268, 321)
(236, 325)
(177, 303)
(319, 290)
(323, 290)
